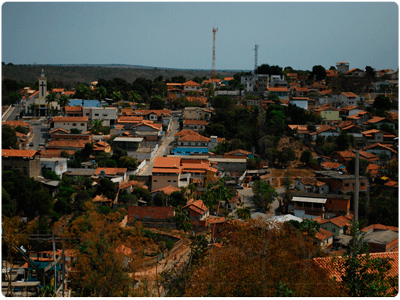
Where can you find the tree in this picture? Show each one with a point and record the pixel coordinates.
(269, 70)
(214, 193)
(9, 137)
(277, 261)
(181, 219)
(96, 124)
(343, 141)
(157, 102)
(106, 188)
(382, 103)
(387, 128)
(101, 93)
(127, 162)
(243, 213)
(264, 194)
(363, 275)
(306, 157)
(107, 254)
(63, 101)
(83, 91)
(363, 164)
(134, 96)
(116, 96)
(369, 72)
(50, 98)
(286, 155)
(319, 72)
(177, 198)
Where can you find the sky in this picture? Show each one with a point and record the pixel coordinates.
(179, 34)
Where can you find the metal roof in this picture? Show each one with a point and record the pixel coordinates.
(128, 139)
(311, 200)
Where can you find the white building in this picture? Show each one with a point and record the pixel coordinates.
(109, 115)
(67, 123)
(54, 164)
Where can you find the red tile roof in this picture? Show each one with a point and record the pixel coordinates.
(323, 234)
(196, 99)
(339, 221)
(124, 185)
(277, 89)
(325, 92)
(195, 122)
(167, 162)
(70, 119)
(191, 136)
(168, 190)
(18, 153)
(238, 152)
(130, 119)
(376, 119)
(58, 90)
(392, 183)
(191, 82)
(48, 153)
(301, 89)
(151, 213)
(67, 144)
(377, 227)
(70, 109)
(198, 206)
(379, 145)
(111, 171)
(331, 165)
(14, 124)
(333, 266)
(149, 124)
(349, 95)
(58, 130)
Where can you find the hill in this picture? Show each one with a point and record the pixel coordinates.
(64, 76)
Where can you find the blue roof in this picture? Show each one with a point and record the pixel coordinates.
(189, 151)
(86, 103)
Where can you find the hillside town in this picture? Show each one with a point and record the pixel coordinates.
(174, 186)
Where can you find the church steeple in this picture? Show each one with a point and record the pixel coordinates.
(42, 86)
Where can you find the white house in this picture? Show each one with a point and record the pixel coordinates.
(301, 102)
(67, 123)
(196, 113)
(348, 98)
(311, 185)
(109, 115)
(55, 164)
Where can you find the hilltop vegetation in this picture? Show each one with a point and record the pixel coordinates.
(69, 77)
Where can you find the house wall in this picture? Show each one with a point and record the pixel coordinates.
(195, 114)
(30, 166)
(82, 126)
(392, 246)
(164, 180)
(332, 228)
(300, 103)
(109, 115)
(330, 115)
(58, 166)
(338, 206)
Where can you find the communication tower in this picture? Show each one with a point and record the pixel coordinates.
(255, 59)
(214, 30)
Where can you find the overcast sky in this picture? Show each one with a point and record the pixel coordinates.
(179, 34)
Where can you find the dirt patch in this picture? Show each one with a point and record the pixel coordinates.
(278, 175)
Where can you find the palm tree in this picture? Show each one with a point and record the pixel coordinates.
(33, 107)
(96, 125)
(116, 96)
(51, 97)
(134, 96)
(84, 92)
(101, 93)
(63, 101)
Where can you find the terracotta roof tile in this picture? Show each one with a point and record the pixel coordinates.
(18, 153)
(111, 171)
(379, 145)
(331, 165)
(58, 90)
(14, 124)
(377, 227)
(58, 130)
(47, 153)
(196, 99)
(339, 221)
(168, 190)
(70, 119)
(67, 144)
(323, 234)
(392, 183)
(149, 124)
(148, 212)
(349, 95)
(167, 162)
(195, 122)
(130, 119)
(124, 185)
(198, 206)
(333, 266)
(191, 82)
(277, 89)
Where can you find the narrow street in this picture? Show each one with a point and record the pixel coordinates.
(163, 149)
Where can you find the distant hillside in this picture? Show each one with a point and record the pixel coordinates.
(69, 76)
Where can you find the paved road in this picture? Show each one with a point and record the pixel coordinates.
(163, 149)
(14, 111)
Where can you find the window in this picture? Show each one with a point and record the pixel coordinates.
(105, 115)
(96, 115)
(87, 114)
(362, 183)
(346, 184)
(82, 124)
(169, 180)
(154, 180)
(333, 230)
(73, 124)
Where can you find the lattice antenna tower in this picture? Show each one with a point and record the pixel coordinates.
(255, 59)
(214, 30)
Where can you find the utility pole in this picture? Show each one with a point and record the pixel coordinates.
(214, 30)
(357, 185)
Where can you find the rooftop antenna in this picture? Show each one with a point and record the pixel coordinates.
(255, 59)
(214, 30)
